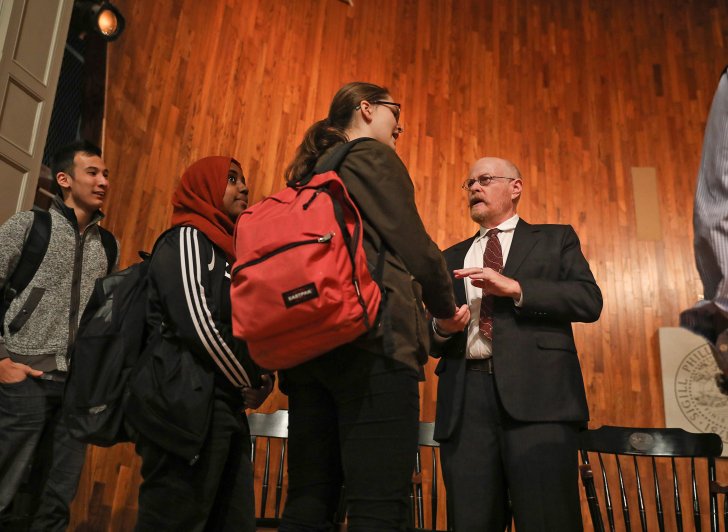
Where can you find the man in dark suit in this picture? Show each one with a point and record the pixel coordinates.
(510, 398)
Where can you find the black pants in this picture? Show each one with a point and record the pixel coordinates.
(353, 419)
(214, 494)
(32, 429)
(491, 456)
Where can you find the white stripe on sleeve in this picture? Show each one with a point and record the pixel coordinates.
(201, 316)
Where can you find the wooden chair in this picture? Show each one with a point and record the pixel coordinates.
(275, 426)
(660, 458)
(426, 476)
(271, 427)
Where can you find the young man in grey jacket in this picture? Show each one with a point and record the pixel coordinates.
(45, 318)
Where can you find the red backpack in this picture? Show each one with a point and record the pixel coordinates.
(300, 282)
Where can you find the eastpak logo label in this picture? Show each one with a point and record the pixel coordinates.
(300, 295)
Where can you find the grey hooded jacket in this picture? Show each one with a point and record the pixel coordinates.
(61, 286)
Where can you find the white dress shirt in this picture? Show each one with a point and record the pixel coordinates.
(478, 346)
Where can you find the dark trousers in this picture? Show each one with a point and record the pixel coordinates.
(214, 494)
(32, 431)
(491, 457)
(353, 419)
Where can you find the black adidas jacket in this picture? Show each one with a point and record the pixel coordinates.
(193, 351)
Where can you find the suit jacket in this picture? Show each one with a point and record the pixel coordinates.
(536, 368)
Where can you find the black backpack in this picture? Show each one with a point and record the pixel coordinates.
(34, 251)
(111, 338)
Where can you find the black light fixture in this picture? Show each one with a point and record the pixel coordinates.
(104, 18)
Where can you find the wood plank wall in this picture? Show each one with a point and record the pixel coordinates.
(576, 93)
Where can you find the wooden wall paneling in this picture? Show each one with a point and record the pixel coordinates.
(575, 93)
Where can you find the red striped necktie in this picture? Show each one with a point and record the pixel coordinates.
(492, 258)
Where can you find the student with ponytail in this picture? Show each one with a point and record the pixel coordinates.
(354, 411)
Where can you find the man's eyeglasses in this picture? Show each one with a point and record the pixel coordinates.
(396, 107)
(483, 180)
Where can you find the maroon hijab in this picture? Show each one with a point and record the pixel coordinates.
(198, 201)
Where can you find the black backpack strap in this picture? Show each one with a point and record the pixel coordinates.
(110, 247)
(148, 255)
(161, 237)
(333, 163)
(34, 250)
(340, 154)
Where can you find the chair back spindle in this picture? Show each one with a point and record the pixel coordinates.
(658, 496)
(676, 495)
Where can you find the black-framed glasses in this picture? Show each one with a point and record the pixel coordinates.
(483, 180)
(396, 107)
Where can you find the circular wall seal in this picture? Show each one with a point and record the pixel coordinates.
(697, 393)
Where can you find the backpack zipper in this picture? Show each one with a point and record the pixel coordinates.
(323, 239)
(361, 301)
(313, 197)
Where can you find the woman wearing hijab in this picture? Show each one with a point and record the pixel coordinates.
(189, 397)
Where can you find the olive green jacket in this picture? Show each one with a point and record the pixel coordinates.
(414, 269)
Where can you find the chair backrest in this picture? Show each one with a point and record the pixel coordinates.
(649, 489)
(274, 429)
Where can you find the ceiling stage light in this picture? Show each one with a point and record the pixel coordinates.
(102, 17)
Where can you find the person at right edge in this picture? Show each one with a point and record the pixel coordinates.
(510, 394)
(354, 412)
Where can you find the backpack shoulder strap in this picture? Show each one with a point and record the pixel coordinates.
(333, 162)
(340, 154)
(34, 250)
(147, 255)
(110, 247)
(161, 237)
